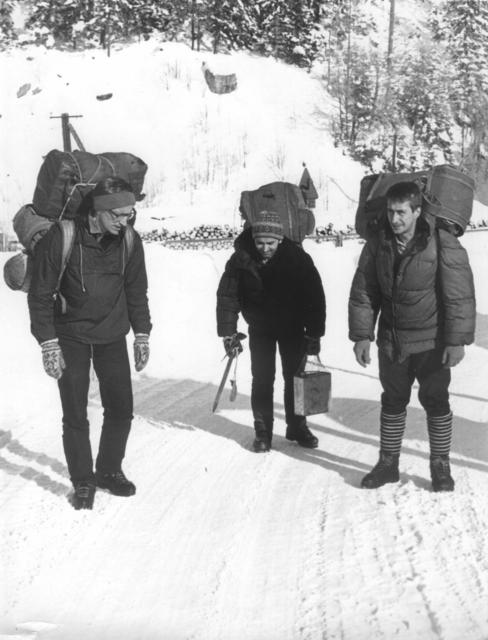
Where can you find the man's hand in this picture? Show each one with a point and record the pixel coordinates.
(361, 351)
(141, 351)
(52, 358)
(233, 342)
(312, 346)
(452, 356)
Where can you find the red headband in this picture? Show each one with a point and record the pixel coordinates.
(114, 201)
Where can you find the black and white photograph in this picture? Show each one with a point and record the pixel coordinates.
(244, 319)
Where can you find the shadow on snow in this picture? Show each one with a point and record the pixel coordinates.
(187, 404)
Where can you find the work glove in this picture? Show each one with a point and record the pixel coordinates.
(141, 350)
(312, 346)
(52, 358)
(233, 342)
(452, 356)
(361, 351)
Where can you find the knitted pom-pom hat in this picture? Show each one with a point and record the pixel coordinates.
(267, 224)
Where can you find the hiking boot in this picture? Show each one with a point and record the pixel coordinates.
(385, 470)
(84, 495)
(302, 435)
(116, 483)
(261, 443)
(440, 472)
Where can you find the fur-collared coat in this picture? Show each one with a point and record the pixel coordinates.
(282, 297)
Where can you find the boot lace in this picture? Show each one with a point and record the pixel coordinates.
(442, 468)
(83, 491)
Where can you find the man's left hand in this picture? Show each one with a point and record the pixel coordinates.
(141, 350)
(312, 346)
(452, 356)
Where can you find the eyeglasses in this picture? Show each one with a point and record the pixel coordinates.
(119, 216)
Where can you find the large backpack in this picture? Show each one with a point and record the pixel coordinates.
(65, 177)
(447, 193)
(62, 182)
(283, 198)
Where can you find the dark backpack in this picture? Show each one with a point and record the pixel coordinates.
(283, 198)
(447, 193)
(64, 179)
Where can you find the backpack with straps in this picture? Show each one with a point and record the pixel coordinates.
(64, 179)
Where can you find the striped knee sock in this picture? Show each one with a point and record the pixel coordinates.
(391, 431)
(440, 433)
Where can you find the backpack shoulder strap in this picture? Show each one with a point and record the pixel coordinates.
(129, 238)
(67, 241)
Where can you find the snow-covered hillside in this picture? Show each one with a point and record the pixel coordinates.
(202, 149)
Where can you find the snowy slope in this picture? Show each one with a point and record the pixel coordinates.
(223, 544)
(202, 149)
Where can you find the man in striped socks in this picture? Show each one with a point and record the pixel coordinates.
(415, 275)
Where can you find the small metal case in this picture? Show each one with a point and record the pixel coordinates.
(312, 389)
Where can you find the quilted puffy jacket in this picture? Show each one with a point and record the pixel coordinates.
(424, 299)
(282, 297)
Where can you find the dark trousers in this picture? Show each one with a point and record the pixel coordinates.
(111, 364)
(397, 379)
(263, 368)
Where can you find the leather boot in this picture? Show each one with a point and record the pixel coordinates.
(264, 435)
(301, 434)
(385, 470)
(440, 472)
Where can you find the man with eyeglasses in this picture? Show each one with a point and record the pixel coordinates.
(101, 296)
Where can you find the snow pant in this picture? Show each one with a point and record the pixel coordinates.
(397, 379)
(111, 364)
(263, 368)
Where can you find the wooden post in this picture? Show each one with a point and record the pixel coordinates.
(68, 131)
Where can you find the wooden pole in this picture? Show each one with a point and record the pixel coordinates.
(66, 133)
(67, 130)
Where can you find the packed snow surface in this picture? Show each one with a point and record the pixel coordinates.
(220, 543)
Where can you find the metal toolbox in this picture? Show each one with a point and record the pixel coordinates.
(312, 388)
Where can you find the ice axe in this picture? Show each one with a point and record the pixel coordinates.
(230, 359)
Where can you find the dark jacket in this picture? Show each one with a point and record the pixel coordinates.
(282, 297)
(105, 290)
(424, 297)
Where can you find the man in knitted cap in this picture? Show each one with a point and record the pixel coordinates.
(102, 295)
(278, 290)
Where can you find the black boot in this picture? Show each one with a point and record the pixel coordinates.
(385, 470)
(264, 436)
(302, 435)
(116, 483)
(261, 443)
(84, 495)
(440, 472)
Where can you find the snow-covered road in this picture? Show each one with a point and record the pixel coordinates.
(220, 543)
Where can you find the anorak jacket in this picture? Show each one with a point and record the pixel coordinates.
(104, 289)
(424, 297)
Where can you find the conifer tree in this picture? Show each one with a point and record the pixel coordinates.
(7, 31)
(462, 25)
